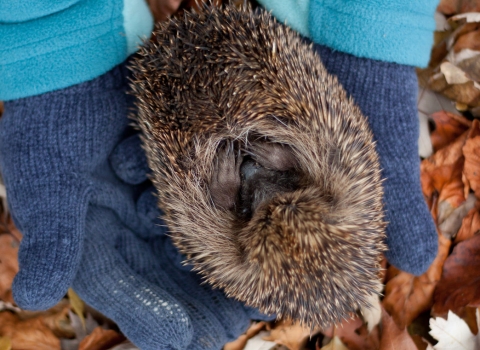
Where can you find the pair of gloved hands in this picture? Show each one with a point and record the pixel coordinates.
(75, 177)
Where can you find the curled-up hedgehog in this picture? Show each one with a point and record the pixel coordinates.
(266, 170)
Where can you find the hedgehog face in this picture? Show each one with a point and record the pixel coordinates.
(266, 171)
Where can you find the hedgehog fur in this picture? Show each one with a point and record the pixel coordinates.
(233, 78)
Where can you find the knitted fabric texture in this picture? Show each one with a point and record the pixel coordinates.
(387, 94)
(83, 222)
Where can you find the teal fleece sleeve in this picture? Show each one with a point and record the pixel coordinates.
(21, 11)
(67, 43)
(294, 13)
(399, 31)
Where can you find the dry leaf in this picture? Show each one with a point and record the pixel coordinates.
(470, 317)
(451, 7)
(465, 93)
(407, 296)
(8, 265)
(453, 74)
(77, 305)
(460, 282)
(373, 314)
(394, 338)
(259, 343)
(37, 330)
(355, 335)
(442, 174)
(27, 334)
(451, 225)
(5, 343)
(420, 343)
(293, 336)
(161, 10)
(448, 127)
(470, 225)
(471, 170)
(470, 40)
(242, 340)
(469, 62)
(335, 344)
(453, 334)
(101, 339)
(469, 17)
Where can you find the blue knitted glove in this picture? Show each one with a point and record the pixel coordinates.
(78, 201)
(387, 94)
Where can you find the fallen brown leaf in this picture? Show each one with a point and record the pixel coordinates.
(5, 343)
(8, 265)
(241, 341)
(335, 344)
(453, 222)
(27, 328)
(470, 225)
(469, 40)
(161, 10)
(354, 334)
(471, 169)
(56, 319)
(451, 7)
(471, 67)
(293, 336)
(393, 337)
(448, 127)
(407, 296)
(465, 93)
(460, 283)
(101, 339)
(470, 317)
(420, 343)
(442, 174)
(27, 334)
(77, 305)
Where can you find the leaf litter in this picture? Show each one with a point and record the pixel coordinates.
(437, 310)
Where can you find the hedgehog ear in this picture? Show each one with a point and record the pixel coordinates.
(273, 156)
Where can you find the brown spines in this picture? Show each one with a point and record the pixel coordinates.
(309, 252)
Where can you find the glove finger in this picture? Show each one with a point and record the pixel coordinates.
(51, 247)
(129, 161)
(149, 213)
(49, 144)
(148, 315)
(229, 312)
(209, 332)
(49, 208)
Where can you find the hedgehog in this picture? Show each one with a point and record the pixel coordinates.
(266, 170)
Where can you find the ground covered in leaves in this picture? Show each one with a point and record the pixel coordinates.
(438, 310)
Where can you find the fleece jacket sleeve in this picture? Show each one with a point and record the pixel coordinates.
(51, 45)
(21, 11)
(399, 31)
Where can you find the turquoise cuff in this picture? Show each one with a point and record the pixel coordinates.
(393, 31)
(294, 13)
